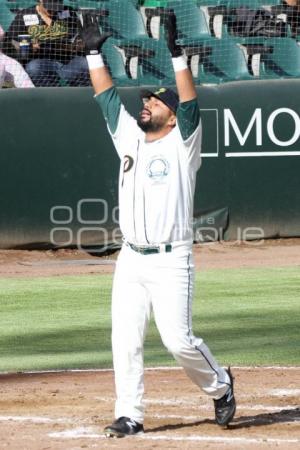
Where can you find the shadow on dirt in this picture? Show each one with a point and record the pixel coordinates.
(285, 415)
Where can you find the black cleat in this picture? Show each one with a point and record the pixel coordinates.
(225, 407)
(122, 427)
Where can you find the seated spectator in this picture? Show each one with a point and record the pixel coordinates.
(293, 15)
(11, 72)
(55, 56)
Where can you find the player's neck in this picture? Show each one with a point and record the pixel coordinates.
(152, 136)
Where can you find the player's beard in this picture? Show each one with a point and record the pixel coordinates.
(152, 124)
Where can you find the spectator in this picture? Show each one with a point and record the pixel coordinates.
(55, 55)
(11, 72)
(293, 15)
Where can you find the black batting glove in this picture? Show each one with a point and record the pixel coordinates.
(90, 34)
(172, 35)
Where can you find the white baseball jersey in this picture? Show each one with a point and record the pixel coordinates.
(156, 183)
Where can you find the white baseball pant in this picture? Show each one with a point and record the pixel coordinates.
(163, 283)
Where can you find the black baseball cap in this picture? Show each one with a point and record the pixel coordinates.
(53, 5)
(167, 96)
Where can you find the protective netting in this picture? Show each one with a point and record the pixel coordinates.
(223, 40)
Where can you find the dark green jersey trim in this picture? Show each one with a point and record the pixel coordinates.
(110, 103)
(188, 114)
(188, 118)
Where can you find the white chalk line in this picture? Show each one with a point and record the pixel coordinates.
(77, 433)
(88, 432)
(147, 369)
(61, 420)
(34, 419)
(284, 392)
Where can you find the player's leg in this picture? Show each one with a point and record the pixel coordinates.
(131, 309)
(172, 305)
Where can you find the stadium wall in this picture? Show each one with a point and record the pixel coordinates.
(58, 168)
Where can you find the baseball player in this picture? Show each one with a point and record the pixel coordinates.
(160, 155)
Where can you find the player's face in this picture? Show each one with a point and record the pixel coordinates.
(155, 115)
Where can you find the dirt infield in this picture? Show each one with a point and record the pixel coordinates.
(22, 263)
(69, 410)
(53, 411)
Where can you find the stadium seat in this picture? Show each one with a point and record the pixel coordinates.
(132, 56)
(191, 21)
(211, 60)
(116, 65)
(255, 56)
(124, 21)
(6, 16)
(273, 58)
(15, 5)
(218, 61)
(158, 69)
(71, 3)
(203, 3)
(132, 64)
(252, 4)
(90, 4)
(227, 11)
(153, 3)
(281, 12)
(284, 59)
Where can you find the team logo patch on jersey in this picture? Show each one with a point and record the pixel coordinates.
(128, 163)
(158, 168)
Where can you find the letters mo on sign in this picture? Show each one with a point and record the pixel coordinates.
(272, 134)
(256, 132)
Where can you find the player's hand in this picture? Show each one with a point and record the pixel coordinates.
(90, 34)
(172, 35)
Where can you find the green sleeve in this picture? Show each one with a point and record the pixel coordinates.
(110, 103)
(188, 118)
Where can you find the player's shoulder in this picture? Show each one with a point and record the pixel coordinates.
(127, 128)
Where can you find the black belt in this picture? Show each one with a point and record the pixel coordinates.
(144, 250)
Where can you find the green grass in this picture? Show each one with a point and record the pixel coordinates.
(246, 316)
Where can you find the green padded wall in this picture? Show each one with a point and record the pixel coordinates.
(59, 170)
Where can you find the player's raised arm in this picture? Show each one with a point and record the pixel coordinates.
(188, 114)
(93, 42)
(184, 79)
